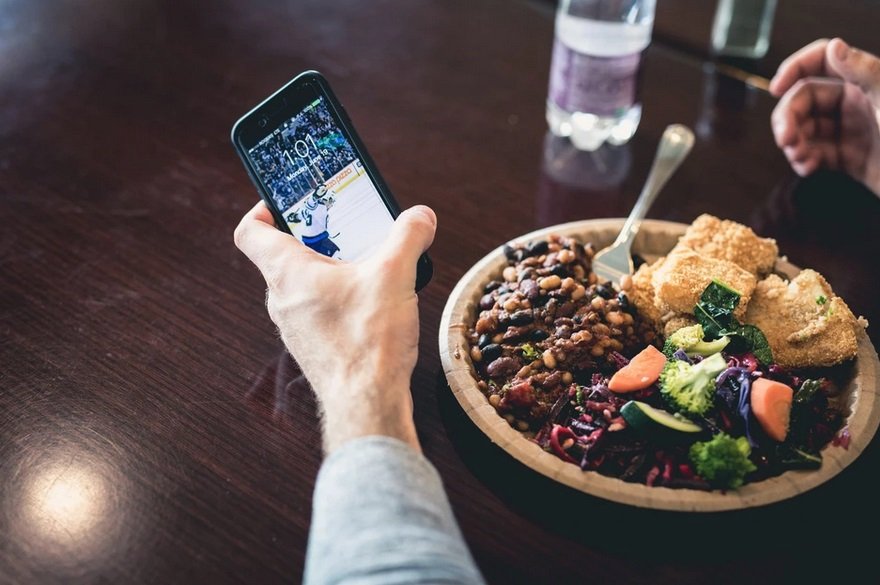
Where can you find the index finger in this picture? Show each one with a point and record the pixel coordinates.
(807, 62)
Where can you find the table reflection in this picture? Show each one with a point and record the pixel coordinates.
(577, 184)
(66, 503)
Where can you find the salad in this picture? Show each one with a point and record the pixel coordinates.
(570, 362)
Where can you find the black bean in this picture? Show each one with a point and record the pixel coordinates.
(637, 261)
(485, 339)
(522, 317)
(624, 302)
(538, 248)
(491, 352)
(487, 302)
(539, 335)
(503, 289)
(510, 252)
(493, 284)
(606, 291)
(559, 270)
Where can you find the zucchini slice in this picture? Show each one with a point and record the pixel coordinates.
(645, 418)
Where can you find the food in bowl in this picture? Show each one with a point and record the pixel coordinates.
(560, 356)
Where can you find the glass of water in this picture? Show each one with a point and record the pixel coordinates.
(742, 28)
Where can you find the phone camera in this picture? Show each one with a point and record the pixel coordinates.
(263, 121)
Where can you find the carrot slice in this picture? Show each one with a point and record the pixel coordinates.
(771, 405)
(642, 371)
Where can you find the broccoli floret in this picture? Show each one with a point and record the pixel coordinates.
(688, 388)
(723, 461)
(690, 339)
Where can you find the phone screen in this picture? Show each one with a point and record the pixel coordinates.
(319, 185)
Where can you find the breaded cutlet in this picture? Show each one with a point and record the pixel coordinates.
(731, 241)
(681, 279)
(804, 322)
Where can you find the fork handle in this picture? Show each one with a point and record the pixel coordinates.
(675, 145)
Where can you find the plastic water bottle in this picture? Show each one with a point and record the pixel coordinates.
(593, 96)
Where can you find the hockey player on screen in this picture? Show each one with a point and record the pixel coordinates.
(314, 213)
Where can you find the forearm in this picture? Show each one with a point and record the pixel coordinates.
(381, 516)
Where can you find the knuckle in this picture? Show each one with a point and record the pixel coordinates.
(238, 235)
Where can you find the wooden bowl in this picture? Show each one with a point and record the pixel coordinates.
(655, 238)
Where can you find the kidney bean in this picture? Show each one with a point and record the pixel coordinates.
(487, 302)
(485, 325)
(502, 367)
(514, 333)
(530, 289)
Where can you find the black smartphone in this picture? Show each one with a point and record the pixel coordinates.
(314, 173)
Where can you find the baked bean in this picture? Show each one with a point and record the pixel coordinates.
(550, 282)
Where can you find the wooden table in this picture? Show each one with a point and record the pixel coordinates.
(152, 428)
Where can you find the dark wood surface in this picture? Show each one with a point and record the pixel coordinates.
(152, 429)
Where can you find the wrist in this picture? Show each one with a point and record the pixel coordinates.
(362, 407)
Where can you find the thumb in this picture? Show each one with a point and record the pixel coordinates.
(857, 67)
(411, 235)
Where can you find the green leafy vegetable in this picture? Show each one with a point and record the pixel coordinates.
(791, 457)
(821, 300)
(799, 419)
(723, 461)
(714, 312)
(793, 454)
(530, 353)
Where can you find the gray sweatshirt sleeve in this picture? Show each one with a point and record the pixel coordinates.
(380, 515)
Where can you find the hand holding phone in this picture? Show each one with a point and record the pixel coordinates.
(315, 174)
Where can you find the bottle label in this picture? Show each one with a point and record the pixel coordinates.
(605, 86)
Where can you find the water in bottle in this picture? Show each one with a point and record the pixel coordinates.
(593, 96)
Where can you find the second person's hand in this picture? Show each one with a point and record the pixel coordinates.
(829, 112)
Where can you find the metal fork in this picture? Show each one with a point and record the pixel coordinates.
(615, 261)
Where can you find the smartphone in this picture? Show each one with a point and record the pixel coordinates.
(314, 173)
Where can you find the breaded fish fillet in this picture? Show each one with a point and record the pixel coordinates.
(731, 241)
(684, 275)
(805, 323)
